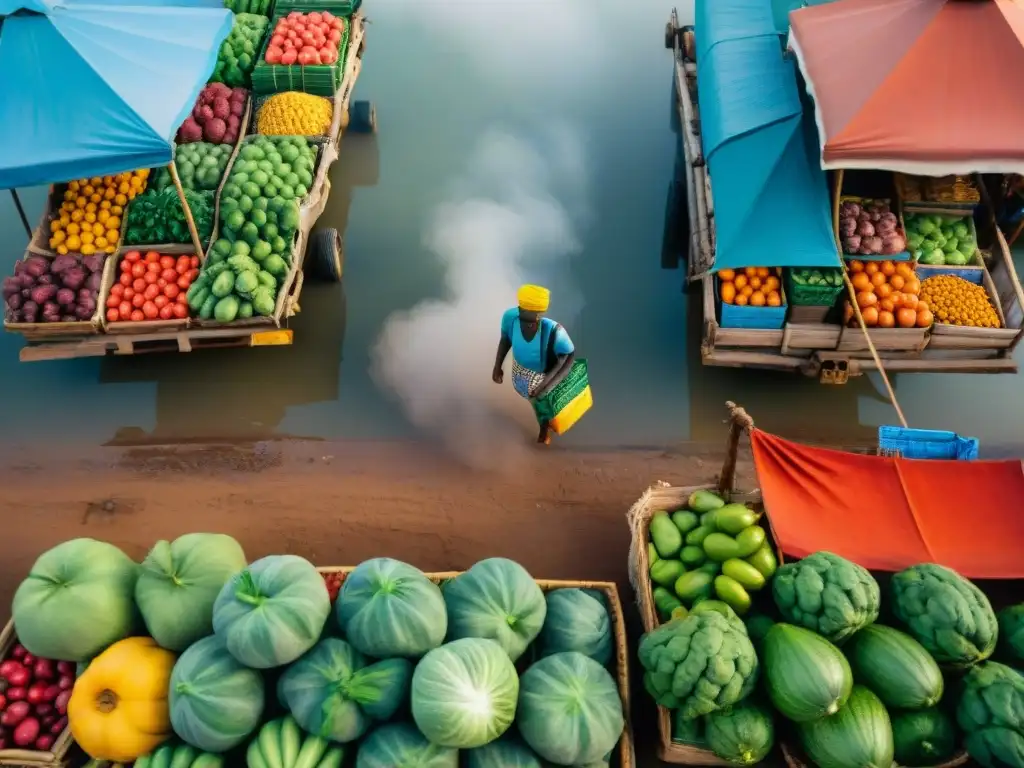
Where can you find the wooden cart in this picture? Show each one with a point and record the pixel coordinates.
(317, 253)
(825, 350)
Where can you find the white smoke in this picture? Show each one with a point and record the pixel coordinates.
(512, 218)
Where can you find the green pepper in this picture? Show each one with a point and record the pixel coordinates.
(665, 602)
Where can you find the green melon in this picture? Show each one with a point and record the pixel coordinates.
(922, 738)
(895, 666)
(807, 677)
(741, 735)
(859, 735)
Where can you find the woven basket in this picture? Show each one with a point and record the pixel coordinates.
(625, 752)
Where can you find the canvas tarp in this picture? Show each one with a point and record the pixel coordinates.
(888, 513)
(771, 200)
(929, 87)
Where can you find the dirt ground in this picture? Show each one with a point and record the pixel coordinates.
(559, 513)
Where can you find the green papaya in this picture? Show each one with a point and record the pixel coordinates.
(733, 518)
(665, 602)
(764, 560)
(693, 584)
(206, 311)
(685, 521)
(704, 501)
(665, 572)
(665, 535)
(223, 285)
(720, 547)
(692, 555)
(697, 535)
(652, 554)
(749, 540)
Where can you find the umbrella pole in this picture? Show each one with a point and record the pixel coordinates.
(188, 212)
(21, 213)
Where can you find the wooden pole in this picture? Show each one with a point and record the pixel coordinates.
(739, 422)
(188, 212)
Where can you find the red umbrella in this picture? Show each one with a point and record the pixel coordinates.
(928, 87)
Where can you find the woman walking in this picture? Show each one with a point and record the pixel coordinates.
(543, 356)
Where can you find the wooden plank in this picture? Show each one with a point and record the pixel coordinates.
(731, 358)
(810, 336)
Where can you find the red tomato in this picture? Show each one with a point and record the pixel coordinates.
(172, 290)
(182, 299)
(328, 55)
(334, 36)
(125, 279)
(308, 37)
(273, 55)
(139, 285)
(308, 57)
(194, 262)
(153, 266)
(137, 316)
(125, 265)
(151, 277)
(161, 282)
(289, 45)
(161, 301)
(192, 274)
(184, 265)
(150, 311)
(113, 301)
(125, 310)
(138, 269)
(151, 292)
(289, 56)
(132, 256)
(167, 262)
(112, 315)
(166, 312)
(183, 283)
(170, 275)
(315, 16)
(180, 310)
(152, 257)
(117, 289)
(128, 293)
(138, 300)
(277, 40)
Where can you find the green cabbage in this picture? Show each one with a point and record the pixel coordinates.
(333, 692)
(570, 711)
(496, 599)
(76, 601)
(1011, 635)
(506, 752)
(991, 713)
(576, 620)
(272, 612)
(179, 583)
(464, 693)
(387, 608)
(401, 746)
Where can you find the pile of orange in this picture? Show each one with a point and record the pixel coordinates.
(888, 294)
(752, 286)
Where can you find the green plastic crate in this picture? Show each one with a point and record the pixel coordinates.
(811, 295)
(317, 79)
(343, 8)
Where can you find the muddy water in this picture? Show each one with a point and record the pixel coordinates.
(432, 103)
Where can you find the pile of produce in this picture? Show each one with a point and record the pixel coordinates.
(869, 227)
(259, 207)
(937, 240)
(306, 39)
(753, 286)
(89, 219)
(62, 290)
(255, 659)
(200, 165)
(956, 301)
(238, 53)
(854, 692)
(217, 115)
(888, 294)
(151, 287)
(711, 550)
(34, 695)
(945, 189)
(825, 277)
(260, 7)
(295, 114)
(158, 217)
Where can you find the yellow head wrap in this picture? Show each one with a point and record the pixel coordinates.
(534, 298)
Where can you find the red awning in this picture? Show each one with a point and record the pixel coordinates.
(928, 87)
(887, 514)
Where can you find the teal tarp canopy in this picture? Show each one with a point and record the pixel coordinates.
(770, 195)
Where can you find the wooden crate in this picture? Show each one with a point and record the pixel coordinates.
(82, 329)
(111, 273)
(734, 337)
(809, 336)
(906, 340)
(963, 337)
(625, 749)
(31, 758)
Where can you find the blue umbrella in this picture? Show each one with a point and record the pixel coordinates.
(98, 88)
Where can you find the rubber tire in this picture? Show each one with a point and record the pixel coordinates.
(325, 259)
(362, 117)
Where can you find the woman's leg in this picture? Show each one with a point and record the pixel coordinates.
(544, 437)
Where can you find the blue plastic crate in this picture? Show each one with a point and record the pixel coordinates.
(926, 444)
(762, 318)
(970, 273)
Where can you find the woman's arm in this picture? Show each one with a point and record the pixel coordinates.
(559, 372)
(504, 345)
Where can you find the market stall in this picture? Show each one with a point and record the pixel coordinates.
(927, 282)
(252, 155)
(846, 585)
(279, 663)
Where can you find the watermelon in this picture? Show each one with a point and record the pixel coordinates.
(76, 601)
(400, 745)
(464, 693)
(179, 582)
(495, 599)
(895, 666)
(334, 692)
(387, 608)
(807, 677)
(215, 702)
(174, 753)
(272, 612)
(506, 752)
(859, 735)
(925, 737)
(282, 744)
(741, 735)
(576, 620)
(570, 711)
